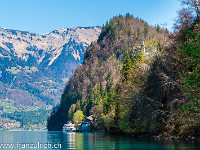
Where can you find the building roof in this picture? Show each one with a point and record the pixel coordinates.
(90, 118)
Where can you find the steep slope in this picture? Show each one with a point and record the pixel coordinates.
(34, 68)
(127, 89)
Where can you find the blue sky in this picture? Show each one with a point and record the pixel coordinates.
(43, 16)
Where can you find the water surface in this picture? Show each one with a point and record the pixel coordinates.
(63, 140)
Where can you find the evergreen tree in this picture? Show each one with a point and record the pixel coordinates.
(90, 100)
(138, 33)
(146, 30)
(71, 111)
(109, 80)
(100, 62)
(101, 89)
(191, 52)
(158, 28)
(128, 16)
(127, 67)
(109, 92)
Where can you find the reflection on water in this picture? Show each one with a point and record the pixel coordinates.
(72, 140)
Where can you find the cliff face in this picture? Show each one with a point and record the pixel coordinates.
(34, 68)
(126, 88)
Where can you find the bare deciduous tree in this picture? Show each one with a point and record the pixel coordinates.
(184, 19)
(193, 5)
(189, 13)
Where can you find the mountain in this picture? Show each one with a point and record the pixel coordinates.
(132, 80)
(116, 82)
(34, 68)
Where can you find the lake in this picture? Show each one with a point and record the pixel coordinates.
(63, 140)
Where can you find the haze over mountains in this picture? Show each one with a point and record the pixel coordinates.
(34, 68)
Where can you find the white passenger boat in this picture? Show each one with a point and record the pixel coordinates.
(70, 127)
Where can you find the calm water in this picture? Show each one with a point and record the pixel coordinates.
(60, 140)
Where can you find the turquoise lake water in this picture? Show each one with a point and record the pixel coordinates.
(97, 141)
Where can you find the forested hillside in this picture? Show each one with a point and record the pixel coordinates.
(115, 63)
(138, 79)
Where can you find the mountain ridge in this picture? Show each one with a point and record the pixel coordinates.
(64, 35)
(34, 68)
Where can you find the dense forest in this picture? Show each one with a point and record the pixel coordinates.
(138, 79)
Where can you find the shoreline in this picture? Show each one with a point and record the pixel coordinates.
(161, 137)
